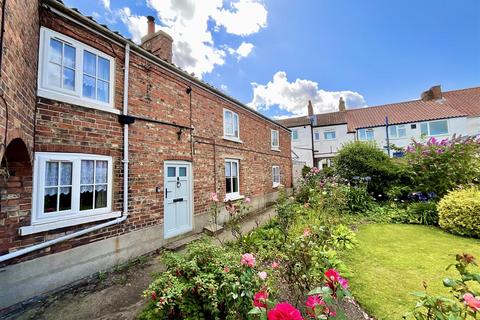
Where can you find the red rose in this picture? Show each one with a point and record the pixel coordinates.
(284, 311)
(332, 275)
(260, 299)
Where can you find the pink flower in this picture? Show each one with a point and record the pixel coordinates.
(214, 196)
(248, 200)
(248, 260)
(472, 302)
(306, 232)
(284, 311)
(226, 269)
(314, 302)
(275, 265)
(262, 275)
(332, 275)
(260, 299)
(343, 282)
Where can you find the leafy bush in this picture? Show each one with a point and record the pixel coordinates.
(423, 213)
(459, 212)
(364, 159)
(465, 301)
(358, 199)
(441, 166)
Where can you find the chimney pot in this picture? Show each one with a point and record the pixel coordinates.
(159, 43)
(151, 24)
(310, 108)
(341, 104)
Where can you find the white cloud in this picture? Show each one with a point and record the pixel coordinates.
(243, 50)
(224, 87)
(293, 96)
(189, 24)
(106, 4)
(247, 17)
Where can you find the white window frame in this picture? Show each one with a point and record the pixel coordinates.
(274, 146)
(41, 221)
(366, 137)
(295, 134)
(329, 131)
(276, 178)
(429, 134)
(74, 97)
(397, 128)
(231, 135)
(233, 195)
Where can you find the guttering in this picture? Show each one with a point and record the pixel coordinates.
(118, 220)
(76, 17)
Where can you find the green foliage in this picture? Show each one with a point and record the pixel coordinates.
(358, 199)
(305, 170)
(441, 166)
(423, 213)
(364, 159)
(456, 307)
(459, 212)
(343, 237)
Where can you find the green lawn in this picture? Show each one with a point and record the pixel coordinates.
(393, 260)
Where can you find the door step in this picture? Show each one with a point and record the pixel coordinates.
(179, 244)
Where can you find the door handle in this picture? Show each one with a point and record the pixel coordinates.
(177, 200)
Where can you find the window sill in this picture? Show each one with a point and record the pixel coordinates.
(232, 139)
(275, 149)
(233, 198)
(58, 96)
(276, 185)
(42, 227)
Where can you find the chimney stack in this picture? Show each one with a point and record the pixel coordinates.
(341, 104)
(434, 93)
(159, 43)
(310, 108)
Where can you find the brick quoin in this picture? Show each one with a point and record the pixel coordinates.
(156, 94)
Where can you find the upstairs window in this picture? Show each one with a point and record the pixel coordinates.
(365, 134)
(329, 135)
(230, 125)
(434, 128)
(72, 72)
(316, 136)
(294, 134)
(275, 176)
(397, 131)
(275, 140)
(231, 179)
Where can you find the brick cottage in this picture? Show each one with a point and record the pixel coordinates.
(109, 151)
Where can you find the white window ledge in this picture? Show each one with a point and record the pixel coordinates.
(276, 149)
(42, 227)
(276, 185)
(232, 139)
(233, 197)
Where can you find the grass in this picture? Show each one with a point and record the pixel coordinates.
(393, 260)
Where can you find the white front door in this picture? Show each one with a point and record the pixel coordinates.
(178, 198)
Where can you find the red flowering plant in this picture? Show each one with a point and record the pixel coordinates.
(464, 302)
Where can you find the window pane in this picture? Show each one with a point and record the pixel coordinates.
(51, 173)
(294, 134)
(182, 172)
(317, 136)
(329, 135)
(89, 63)
(103, 69)
(235, 184)
(235, 125)
(227, 123)
(402, 131)
(103, 91)
(361, 134)
(227, 169)
(65, 198)
(86, 197)
(234, 169)
(88, 87)
(55, 51)
(369, 134)
(101, 196)
(438, 127)
(228, 185)
(393, 131)
(424, 128)
(86, 175)
(54, 75)
(69, 56)
(101, 171)
(66, 174)
(68, 78)
(50, 200)
(171, 172)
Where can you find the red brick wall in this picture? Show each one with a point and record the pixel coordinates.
(157, 94)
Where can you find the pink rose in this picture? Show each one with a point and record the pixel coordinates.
(275, 265)
(332, 275)
(343, 282)
(284, 311)
(472, 302)
(260, 299)
(316, 302)
(226, 269)
(306, 232)
(262, 275)
(248, 200)
(214, 196)
(248, 260)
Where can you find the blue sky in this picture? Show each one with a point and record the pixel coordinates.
(275, 55)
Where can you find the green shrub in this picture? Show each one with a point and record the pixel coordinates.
(366, 160)
(459, 212)
(358, 199)
(423, 213)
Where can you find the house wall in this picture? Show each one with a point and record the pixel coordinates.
(328, 148)
(302, 147)
(473, 126)
(159, 95)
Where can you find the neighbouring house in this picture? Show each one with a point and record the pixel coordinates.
(110, 151)
(316, 138)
